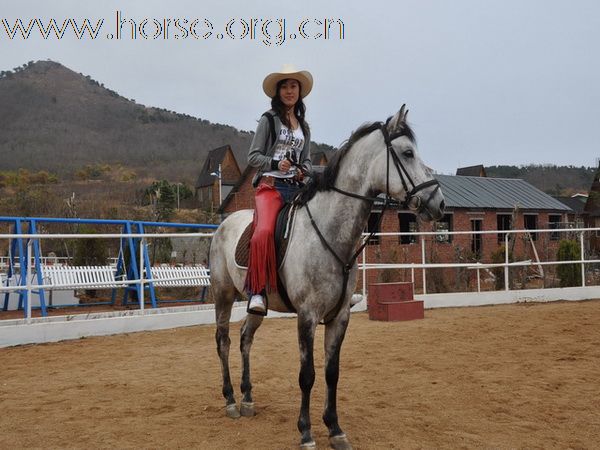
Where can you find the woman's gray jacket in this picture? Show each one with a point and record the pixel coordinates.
(261, 150)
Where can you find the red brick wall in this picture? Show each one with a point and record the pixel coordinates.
(389, 249)
(244, 197)
(229, 168)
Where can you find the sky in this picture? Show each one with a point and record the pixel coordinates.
(486, 82)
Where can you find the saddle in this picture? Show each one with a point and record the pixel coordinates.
(242, 250)
(282, 227)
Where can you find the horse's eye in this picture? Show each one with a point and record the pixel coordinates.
(408, 153)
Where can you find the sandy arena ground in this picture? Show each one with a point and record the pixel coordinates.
(517, 376)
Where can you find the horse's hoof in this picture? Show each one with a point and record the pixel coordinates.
(232, 411)
(340, 442)
(311, 444)
(247, 409)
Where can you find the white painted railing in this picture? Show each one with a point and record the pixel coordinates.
(55, 328)
(202, 279)
(364, 265)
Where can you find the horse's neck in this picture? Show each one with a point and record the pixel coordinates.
(343, 218)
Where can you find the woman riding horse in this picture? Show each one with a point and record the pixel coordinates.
(281, 152)
(379, 162)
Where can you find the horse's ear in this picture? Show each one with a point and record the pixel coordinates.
(398, 121)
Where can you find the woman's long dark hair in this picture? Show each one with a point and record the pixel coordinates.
(299, 109)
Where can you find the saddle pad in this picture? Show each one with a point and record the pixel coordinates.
(242, 249)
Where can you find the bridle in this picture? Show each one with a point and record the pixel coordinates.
(402, 172)
(407, 182)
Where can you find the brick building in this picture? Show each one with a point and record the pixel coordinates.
(472, 171)
(577, 216)
(472, 204)
(207, 185)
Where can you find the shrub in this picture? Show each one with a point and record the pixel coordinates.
(569, 274)
(498, 256)
(90, 252)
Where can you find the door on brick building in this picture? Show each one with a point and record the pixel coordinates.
(531, 223)
(476, 239)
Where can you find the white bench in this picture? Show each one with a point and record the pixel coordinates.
(81, 277)
(185, 276)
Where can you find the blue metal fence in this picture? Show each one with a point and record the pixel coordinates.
(23, 226)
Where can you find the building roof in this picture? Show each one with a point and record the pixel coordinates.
(575, 203)
(471, 171)
(211, 165)
(495, 193)
(478, 193)
(316, 158)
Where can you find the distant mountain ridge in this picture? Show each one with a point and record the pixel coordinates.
(55, 119)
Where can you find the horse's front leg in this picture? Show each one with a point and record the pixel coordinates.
(306, 338)
(250, 326)
(334, 336)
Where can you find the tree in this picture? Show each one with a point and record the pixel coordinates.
(569, 274)
(165, 201)
(90, 252)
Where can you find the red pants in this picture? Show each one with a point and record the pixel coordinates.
(262, 261)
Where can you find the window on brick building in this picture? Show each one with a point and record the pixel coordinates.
(408, 224)
(531, 223)
(444, 225)
(504, 222)
(373, 226)
(476, 239)
(553, 224)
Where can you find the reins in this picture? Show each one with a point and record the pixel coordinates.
(410, 194)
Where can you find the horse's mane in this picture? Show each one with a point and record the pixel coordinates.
(325, 181)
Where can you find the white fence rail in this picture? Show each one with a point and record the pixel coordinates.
(171, 277)
(49, 329)
(579, 232)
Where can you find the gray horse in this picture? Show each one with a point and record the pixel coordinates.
(319, 271)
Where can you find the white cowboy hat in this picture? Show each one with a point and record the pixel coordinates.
(288, 71)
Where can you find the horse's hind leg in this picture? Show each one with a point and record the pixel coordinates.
(250, 326)
(223, 305)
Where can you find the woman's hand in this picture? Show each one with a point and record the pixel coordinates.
(284, 165)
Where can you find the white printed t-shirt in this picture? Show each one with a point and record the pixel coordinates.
(290, 143)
